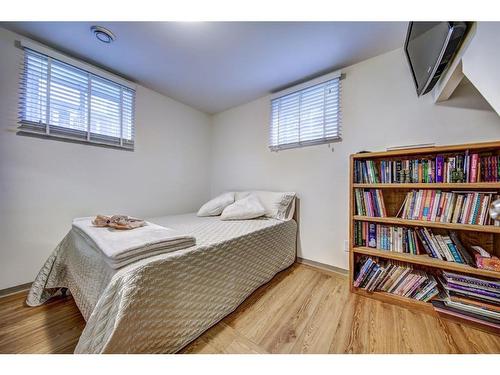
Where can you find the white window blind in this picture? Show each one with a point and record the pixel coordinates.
(307, 114)
(63, 101)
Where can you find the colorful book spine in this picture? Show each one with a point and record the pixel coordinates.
(439, 168)
(372, 235)
(474, 162)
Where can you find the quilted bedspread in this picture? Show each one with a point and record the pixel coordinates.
(160, 304)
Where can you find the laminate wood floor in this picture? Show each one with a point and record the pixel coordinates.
(302, 310)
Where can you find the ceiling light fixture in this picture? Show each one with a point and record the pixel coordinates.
(103, 34)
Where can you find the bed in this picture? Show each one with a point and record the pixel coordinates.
(160, 304)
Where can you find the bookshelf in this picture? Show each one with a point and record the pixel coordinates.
(487, 236)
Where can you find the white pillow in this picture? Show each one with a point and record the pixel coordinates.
(215, 206)
(278, 205)
(246, 208)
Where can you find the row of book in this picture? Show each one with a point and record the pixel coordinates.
(387, 237)
(422, 241)
(395, 278)
(416, 241)
(369, 202)
(471, 298)
(463, 167)
(463, 207)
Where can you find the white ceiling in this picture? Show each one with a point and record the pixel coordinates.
(213, 66)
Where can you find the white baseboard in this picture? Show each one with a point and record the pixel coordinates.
(322, 266)
(15, 289)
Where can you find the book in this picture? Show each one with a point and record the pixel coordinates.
(439, 168)
(474, 162)
(471, 280)
(439, 306)
(372, 235)
(484, 292)
(473, 309)
(472, 302)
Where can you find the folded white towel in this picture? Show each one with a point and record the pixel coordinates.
(122, 247)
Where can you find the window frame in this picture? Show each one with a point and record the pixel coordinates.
(336, 75)
(125, 90)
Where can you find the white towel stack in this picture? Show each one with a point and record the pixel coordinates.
(122, 247)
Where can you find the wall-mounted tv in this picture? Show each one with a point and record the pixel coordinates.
(429, 47)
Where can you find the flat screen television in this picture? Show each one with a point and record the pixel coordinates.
(429, 47)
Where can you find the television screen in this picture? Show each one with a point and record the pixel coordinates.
(429, 47)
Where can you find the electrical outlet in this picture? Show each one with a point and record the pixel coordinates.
(346, 246)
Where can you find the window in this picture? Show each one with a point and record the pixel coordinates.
(306, 114)
(63, 101)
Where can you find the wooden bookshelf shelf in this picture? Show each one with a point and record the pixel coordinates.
(425, 260)
(429, 224)
(393, 298)
(449, 186)
(418, 305)
(393, 194)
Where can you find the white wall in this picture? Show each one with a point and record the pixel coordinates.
(481, 60)
(380, 109)
(45, 183)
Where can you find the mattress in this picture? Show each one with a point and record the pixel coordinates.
(160, 304)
